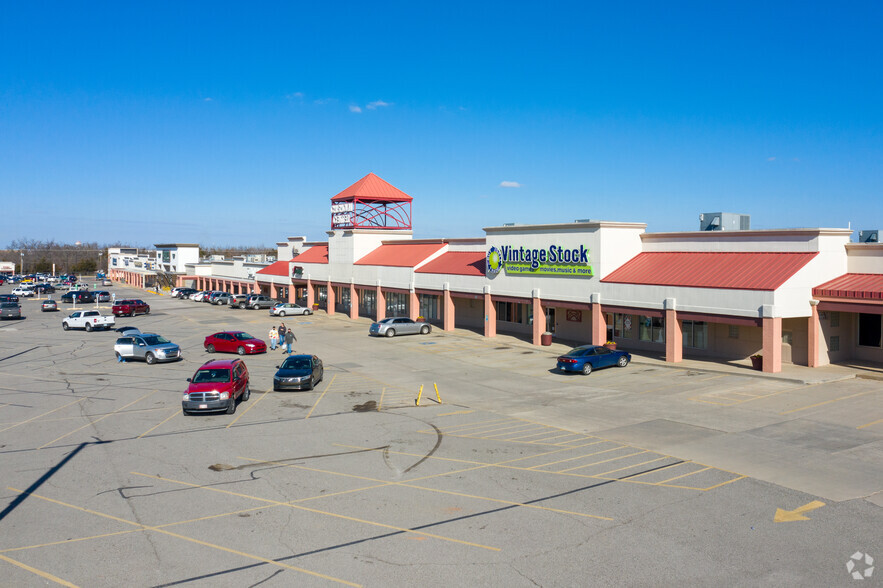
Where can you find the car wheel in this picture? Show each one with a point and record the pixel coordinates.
(623, 361)
(241, 305)
(150, 359)
(282, 313)
(231, 408)
(118, 356)
(247, 394)
(391, 333)
(424, 330)
(147, 311)
(587, 369)
(240, 350)
(64, 326)
(311, 385)
(210, 348)
(132, 313)
(308, 312)
(88, 327)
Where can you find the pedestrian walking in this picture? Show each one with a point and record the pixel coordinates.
(289, 339)
(274, 338)
(282, 330)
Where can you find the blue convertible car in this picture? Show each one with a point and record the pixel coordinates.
(586, 358)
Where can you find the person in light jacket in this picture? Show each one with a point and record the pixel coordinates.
(274, 338)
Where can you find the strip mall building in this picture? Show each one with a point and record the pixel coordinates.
(802, 296)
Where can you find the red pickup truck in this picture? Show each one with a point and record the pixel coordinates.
(130, 307)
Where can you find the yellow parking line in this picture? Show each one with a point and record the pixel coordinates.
(170, 417)
(602, 461)
(634, 465)
(250, 406)
(42, 415)
(318, 400)
(674, 465)
(828, 402)
(869, 424)
(722, 484)
(495, 435)
(324, 512)
(683, 475)
(542, 465)
(91, 423)
(380, 404)
(476, 425)
(42, 574)
(190, 539)
(457, 412)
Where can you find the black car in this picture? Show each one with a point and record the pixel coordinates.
(8, 298)
(81, 297)
(298, 372)
(185, 292)
(44, 288)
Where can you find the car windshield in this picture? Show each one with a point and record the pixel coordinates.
(386, 320)
(211, 375)
(578, 351)
(242, 336)
(155, 340)
(9, 305)
(296, 363)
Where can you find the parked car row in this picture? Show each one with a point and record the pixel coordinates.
(250, 301)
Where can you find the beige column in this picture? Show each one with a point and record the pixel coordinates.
(413, 305)
(814, 333)
(674, 338)
(381, 304)
(539, 319)
(331, 298)
(599, 324)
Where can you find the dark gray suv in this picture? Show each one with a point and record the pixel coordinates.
(260, 301)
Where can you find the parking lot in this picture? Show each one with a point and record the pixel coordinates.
(520, 476)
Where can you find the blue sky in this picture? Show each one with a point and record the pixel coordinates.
(231, 123)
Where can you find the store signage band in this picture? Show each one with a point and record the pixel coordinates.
(342, 213)
(551, 261)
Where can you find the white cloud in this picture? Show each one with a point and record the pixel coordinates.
(377, 104)
(295, 96)
(206, 99)
(354, 108)
(770, 158)
(509, 184)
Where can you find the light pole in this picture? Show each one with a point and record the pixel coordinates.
(99, 262)
(22, 253)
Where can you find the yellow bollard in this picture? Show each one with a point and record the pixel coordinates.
(419, 394)
(437, 397)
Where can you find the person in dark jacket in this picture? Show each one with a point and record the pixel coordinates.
(289, 339)
(282, 331)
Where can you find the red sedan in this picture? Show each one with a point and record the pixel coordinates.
(234, 342)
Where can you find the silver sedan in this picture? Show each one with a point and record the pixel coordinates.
(288, 308)
(390, 327)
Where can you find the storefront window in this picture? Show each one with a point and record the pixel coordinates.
(396, 304)
(651, 329)
(368, 303)
(511, 312)
(869, 329)
(428, 306)
(695, 334)
(322, 296)
(622, 325)
(342, 296)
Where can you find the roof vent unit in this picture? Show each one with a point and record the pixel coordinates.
(868, 236)
(724, 221)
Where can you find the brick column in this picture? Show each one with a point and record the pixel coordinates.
(814, 333)
(599, 324)
(772, 344)
(674, 339)
(539, 319)
(413, 305)
(381, 304)
(490, 314)
(354, 302)
(331, 299)
(448, 318)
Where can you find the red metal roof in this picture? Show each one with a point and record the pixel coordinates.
(857, 286)
(458, 263)
(713, 269)
(279, 268)
(400, 254)
(315, 254)
(371, 187)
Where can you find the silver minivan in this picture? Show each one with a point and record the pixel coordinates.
(149, 347)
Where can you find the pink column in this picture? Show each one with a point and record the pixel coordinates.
(331, 299)
(539, 320)
(674, 339)
(772, 345)
(813, 336)
(599, 325)
(354, 302)
(257, 287)
(447, 311)
(413, 306)
(490, 316)
(381, 305)
(292, 293)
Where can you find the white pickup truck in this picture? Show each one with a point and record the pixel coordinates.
(87, 319)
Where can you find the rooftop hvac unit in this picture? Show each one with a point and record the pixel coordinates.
(724, 221)
(868, 236)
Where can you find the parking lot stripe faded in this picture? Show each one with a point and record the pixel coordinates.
(90, 423)
(322, 512)
(44, 414)
(318, 400)
(410, 484)
(869, 424)
(41, 573)
(588, 465)
(190, 539)
(828, 402)
(542, 465)
(176, 412)
(250, 406)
